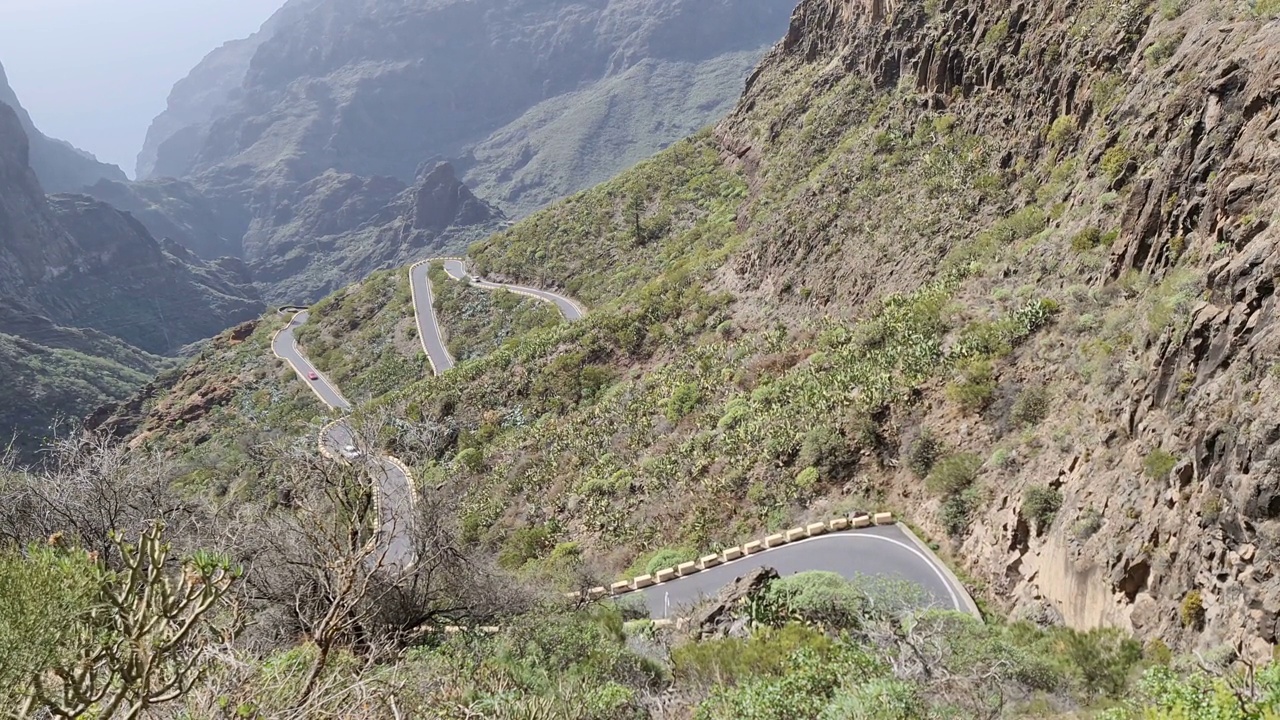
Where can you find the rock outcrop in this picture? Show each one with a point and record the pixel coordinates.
(341, 226)
(722, 616)
(1163, 438)
(318, 122)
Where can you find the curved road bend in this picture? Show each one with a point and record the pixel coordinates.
(395, 493)
(885, 550)
(571, 310)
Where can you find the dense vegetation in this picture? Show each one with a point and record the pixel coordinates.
(849, 296)
(815, 646)
(477, 321)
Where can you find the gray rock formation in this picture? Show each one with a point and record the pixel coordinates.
(88, 298)
(341, 226)
(331, 108)
(721, 616)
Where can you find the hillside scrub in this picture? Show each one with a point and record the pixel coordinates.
(364, 337)
(780, 305)
(478, 321)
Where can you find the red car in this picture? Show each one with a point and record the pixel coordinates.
(312, 375)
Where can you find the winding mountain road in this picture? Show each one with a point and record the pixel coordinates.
(571, 310)
(889, 550)
(391, 481)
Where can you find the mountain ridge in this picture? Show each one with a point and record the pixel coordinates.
(60, 166)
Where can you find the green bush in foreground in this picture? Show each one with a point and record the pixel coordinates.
(41, 592)
(1040, 504)
(1159, 463)
(953, 474)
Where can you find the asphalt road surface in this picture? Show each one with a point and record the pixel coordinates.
(286, 348)
(878, 551)
(395, 492)
(428, 324)
(884, 550)
(571, 310)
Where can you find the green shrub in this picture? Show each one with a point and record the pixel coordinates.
(833, 602)
(525, 544)
(1161, 50)
(811, 680)
(975, 387)
(958, 510)
(826, 449)
(668, 558)
(1192, 610)
(996, 34)
(1267, 8)
(1031, 407)
(1158, 464)
(1211, 507)
(1063, 130)
(1086, 240)
(735, 412)
(684, 400)
(729, 661)
(1157, 652)
(1041, 504)
(807, 479)
(1115, 162)
(953, 474)
(1103, 658)
(923, 452)
(819, 598)
(1170, 9)
(43, 593)
(607, 487)
(469, 459)
(1027, 222)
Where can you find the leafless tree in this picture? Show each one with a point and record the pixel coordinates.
(325, 559)
(90, 488)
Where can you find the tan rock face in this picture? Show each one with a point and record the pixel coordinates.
(1173, 123)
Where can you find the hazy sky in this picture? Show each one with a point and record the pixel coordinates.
(95, 72)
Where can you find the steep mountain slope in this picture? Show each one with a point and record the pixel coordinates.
(88, 298)
(1007, 268)
(584, 137)
(374, 98)
(60, 167)
(175, 135)
(528, 99)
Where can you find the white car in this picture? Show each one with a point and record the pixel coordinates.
(350, 452)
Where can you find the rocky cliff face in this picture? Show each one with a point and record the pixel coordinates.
(60, 167)
(208, 90)
(88, 298)
(341, 226)
(532, 99)
(1137, 146)
(374, 88)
